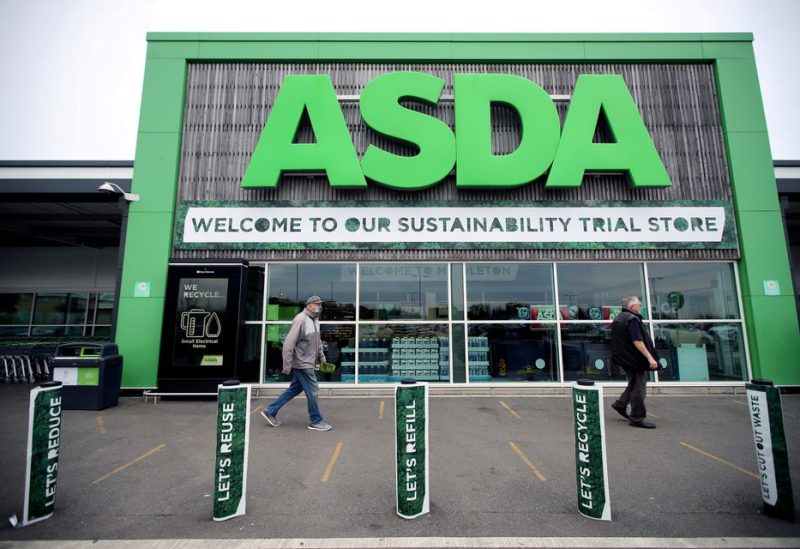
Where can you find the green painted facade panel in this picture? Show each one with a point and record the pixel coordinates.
(155, 180)
(148, 243)
(773, 335)
(140, 321)
(740, 96)
(726, 50)
(172, 50)
(641, 51)
(528, 51)
(162, 96)
(754, 175)
(388, 51)
(244, 51)
(763, 246)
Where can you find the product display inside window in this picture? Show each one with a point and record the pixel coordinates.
(338, 342)
(512, 352)
(513, 312)
(701, 352)
(508, 291)
(389, 353)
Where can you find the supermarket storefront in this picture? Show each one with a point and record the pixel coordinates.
(472, 208)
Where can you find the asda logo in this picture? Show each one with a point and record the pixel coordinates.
(568, 152)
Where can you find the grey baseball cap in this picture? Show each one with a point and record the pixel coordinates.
(314, 299)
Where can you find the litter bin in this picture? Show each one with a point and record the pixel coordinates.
(90, 374)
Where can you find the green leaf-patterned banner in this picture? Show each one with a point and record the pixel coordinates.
(347, 225)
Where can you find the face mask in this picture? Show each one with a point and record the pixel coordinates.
(316, 309)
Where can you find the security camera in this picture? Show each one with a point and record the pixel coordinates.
(109, 187)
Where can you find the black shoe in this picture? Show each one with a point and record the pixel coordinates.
(643, 424)
(621, 410)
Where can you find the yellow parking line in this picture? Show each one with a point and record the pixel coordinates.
(381, 409)
(527, 461)
(101, 425)
(719, 459)
(510, 411)
(328, 470)
(138, 459)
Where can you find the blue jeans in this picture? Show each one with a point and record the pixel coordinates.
(303, 380)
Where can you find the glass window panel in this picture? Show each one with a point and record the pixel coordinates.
(692, 291)
(274, 336)
(404, 291)
(105, 308)
(512, 352)
(391, 352)
(291, 284)
(457, 352)
(16, 308)
(74, 330)
(509, 291)
(91, 309)
(701, 352)
(251, 365)
(102, 331)
(76, 308)
(60, 308)
(457, 290)
(9, 331)
(594, 291)
(586, 349)
(255, 293)
(339, 341)
(49, 330)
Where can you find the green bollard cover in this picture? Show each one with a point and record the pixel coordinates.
(230, 473)
(411, 448)
(44, 443)
(590, 451)
(772, 456)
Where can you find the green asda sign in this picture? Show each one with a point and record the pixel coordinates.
(568, 153)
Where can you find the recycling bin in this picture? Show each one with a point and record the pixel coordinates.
(90, 374)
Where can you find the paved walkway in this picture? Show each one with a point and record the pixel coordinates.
(502, 475)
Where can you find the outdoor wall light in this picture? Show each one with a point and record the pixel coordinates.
(108, 187)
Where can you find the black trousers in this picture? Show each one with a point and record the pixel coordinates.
(634, 394)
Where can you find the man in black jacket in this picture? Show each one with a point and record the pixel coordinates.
(633, 350)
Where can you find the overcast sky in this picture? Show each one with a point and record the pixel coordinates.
(71, 70)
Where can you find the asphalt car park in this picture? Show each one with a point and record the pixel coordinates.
(500, 467)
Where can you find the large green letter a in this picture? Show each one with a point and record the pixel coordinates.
(333, 151)
(633, 150)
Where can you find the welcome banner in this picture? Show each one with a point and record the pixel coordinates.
(590, 451)
(233, 429)
(351, 225)
(411, 449)
(772, 456)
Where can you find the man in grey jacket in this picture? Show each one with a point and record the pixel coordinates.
(302, 351)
